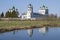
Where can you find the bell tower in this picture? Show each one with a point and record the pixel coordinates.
(29, 11)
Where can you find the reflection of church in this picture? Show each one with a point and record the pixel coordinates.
(30, 32)
(43, 30)
(43, 11)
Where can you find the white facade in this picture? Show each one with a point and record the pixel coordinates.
(24, 16)
(42, 12)
(29, 11)
(30, 14)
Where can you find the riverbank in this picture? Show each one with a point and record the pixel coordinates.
(17, 25)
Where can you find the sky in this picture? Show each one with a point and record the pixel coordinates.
(21, 5)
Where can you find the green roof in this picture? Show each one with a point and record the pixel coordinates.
(29, 6)
(43, 7)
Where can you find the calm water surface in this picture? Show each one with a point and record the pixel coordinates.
(32, 34)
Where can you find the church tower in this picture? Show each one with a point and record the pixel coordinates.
(43, 10)
(29, 11)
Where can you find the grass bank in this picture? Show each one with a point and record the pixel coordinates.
(13, 25)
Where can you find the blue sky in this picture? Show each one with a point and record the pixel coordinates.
(21, 5)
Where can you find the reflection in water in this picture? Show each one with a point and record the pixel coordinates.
(53, 34)
(30, 32)
(43, 30)
(14, 32)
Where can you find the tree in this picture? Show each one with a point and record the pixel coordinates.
(2, 14)
(13, 13)
(8, 14)
(17, 13)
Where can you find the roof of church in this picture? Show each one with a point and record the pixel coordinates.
(43, 7)
(37, 14)
(29, 6)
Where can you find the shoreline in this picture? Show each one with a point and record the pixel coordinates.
(2, 30)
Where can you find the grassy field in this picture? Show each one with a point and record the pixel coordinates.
(26, 24)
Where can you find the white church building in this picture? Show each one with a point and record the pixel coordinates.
(43, 11)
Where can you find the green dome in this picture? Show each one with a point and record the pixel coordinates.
(29, 6)
(43, 7)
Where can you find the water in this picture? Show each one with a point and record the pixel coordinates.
(32, 34)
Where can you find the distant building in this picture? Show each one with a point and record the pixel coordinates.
(43, 11)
